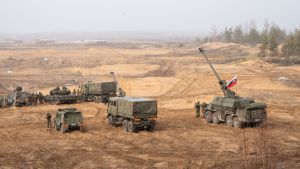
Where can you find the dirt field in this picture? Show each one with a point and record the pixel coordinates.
(176, 76)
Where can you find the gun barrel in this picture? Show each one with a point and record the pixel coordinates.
(211, 66)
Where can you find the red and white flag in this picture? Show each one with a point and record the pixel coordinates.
(232, 82)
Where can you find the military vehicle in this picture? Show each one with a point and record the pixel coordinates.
(132, 113)
(98, 92)
(19, 98)
(60, 96)
(232, 109)
(120, 92)
(67, 119)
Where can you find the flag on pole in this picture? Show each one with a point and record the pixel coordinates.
(232, 82)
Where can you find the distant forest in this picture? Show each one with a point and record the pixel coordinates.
(269, 39)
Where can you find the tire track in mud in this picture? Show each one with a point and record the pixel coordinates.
(179, 88)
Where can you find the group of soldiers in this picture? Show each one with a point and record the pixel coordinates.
(36, 98)
(76, 92)
(200, 108)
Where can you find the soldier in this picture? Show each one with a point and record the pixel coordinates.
(34, 95)
(74, 92)
(203, 106)
(40, 98)
(78, 92)
(197, 109)
(48, 117)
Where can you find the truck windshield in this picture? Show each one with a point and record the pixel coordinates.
(73, 117)
(145, 107)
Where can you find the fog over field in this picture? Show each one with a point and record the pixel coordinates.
(87, 19)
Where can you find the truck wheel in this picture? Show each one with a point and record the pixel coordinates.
(237, 123)
(229, 121)
(150, 127)
(215, 118)
(81, 129)
(111, 121)
(62, 129)
(125, 125)
(208, 117)
(131, 127)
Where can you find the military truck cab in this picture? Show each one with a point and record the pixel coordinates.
(133, 113)
(67, 119)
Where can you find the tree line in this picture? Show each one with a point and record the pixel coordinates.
(270, 38)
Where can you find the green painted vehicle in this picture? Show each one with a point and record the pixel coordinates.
(68, 119)
(61, 96)
(98, 92)
(19, 98)
(133, 113)
(232, 109)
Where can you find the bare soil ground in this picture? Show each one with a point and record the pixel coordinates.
(176, 77)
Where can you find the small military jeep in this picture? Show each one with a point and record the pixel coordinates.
(67, 119)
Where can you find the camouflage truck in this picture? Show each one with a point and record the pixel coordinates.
(19, 98)
(68, 119)
(132, 113)
(61, 96)
(232, 109)
(98, 92)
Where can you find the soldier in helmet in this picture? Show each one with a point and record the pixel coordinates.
(40, 98)
(48, 117)
(34, 98)
(197, 109)
(203, 106)
(74, 92)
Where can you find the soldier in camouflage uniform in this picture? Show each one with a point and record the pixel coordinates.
(203, 106)
(197, 109)
(40, 98)
(49, 118)
(74, 92)
(34, 98)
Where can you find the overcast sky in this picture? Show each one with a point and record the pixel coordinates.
(33, 16)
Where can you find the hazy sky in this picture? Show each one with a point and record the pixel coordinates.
(30, 16)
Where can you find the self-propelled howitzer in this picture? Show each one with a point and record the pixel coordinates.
(233, 110)
(226, 91)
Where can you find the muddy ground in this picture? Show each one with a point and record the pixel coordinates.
(177, 76)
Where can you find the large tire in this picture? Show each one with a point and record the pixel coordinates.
(57, 127)
(229, 121)
(215, 118)
(131, 127)
(237, 123)
(62, 128)
(81, 129)
(150, 128)
(208, 116)
(125, 125)
(111, 121)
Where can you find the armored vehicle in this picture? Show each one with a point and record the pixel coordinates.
(60, 96)
(68, 118)
(98, 92)
(232, 109)
(19, 98)
(132, 113)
